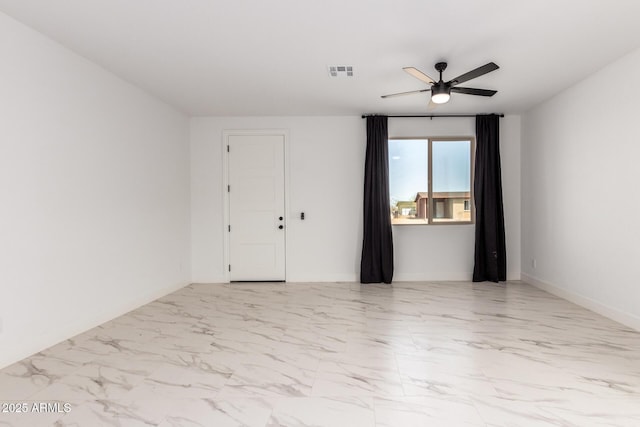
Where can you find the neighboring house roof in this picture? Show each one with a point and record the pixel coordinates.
(444, 195)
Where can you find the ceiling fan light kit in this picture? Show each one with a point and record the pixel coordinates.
(440, 94)
(441, 90)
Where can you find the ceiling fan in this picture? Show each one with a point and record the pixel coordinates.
(441, 90)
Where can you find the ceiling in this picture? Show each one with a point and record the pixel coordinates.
(257, 57)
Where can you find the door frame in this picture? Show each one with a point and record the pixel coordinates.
(225, 194)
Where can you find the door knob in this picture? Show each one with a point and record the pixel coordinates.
(281, 227)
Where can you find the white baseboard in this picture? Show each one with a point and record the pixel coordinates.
(619, 316)
(324, 278)
(432, 277)
(63, 332)
(355, 277)
(442, 277)
(209, 280)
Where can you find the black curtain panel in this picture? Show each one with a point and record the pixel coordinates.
(376, 265)
(490, 250)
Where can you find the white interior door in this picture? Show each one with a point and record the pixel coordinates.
(256, 207)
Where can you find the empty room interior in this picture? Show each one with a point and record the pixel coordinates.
(337, 213)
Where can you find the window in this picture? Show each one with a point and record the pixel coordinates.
(430, 180)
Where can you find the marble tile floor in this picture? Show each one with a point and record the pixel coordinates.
(338, 354)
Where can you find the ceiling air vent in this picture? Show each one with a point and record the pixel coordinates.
(340, 70)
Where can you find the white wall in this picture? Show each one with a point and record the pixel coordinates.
(326, 167)
(94, 193)
(326, 179)
(579, 187)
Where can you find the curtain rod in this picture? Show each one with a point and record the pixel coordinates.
(431, 116)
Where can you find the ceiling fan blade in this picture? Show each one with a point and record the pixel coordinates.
(472, 91)
(419, 75)
(480, 71)
(432, 105)
(405, 93)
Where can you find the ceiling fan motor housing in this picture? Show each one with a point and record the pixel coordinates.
(440, 87)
